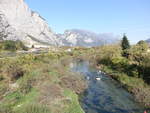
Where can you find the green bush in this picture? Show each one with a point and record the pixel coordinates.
(12, 45)
(9, 45)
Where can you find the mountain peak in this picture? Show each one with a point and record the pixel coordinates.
(28, 26)
(79, 37)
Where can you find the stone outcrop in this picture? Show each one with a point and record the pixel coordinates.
(18, 22)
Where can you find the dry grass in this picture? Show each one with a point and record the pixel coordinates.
(75, 83)
(13, 72)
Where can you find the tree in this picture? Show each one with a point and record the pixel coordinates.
(125, 43)
(141, 42)
(140, 57)
(125, 46)
(9, 45)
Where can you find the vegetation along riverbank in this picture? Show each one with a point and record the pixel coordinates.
(39, 84)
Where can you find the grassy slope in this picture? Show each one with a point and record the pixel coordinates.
(40, 89)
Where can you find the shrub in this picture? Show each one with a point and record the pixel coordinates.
(14, 72)
(12, 45)
(9, 45)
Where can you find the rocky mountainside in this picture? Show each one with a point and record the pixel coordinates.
(148, 40)
(76, 37)
(18, 22)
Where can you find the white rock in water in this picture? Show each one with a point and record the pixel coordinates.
(98, 78)
(88, 78)
(18, 22)
(99, 72)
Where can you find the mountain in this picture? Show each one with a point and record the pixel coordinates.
(77, 37)
(18, 22)
(148, 40)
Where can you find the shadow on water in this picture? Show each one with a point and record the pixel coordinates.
(104, 95)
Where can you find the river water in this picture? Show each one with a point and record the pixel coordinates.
(104, 95)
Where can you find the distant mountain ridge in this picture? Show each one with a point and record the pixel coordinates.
(148, 40)
(19, 22)
(78, 37)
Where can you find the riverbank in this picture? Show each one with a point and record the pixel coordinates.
(104, 95)
(136, 86)
(45, 79)
(128, 72)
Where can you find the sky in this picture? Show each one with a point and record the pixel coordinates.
(101, 16)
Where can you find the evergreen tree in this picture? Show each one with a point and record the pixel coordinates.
(125, 46)
(125, 43)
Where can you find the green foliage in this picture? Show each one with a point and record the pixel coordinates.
(141, 42)
(74, 106)
(40, 83)
(9, 45)
(120, 63)
(125, 43)
(125, 46)
(34, 108)
(135, 63)
(12, 45)
(140, 58)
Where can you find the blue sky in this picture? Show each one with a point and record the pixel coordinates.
(101, 16)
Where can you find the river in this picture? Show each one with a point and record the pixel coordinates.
(104, 95)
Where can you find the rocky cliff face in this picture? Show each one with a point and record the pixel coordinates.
(76, 37)
(18, 22)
